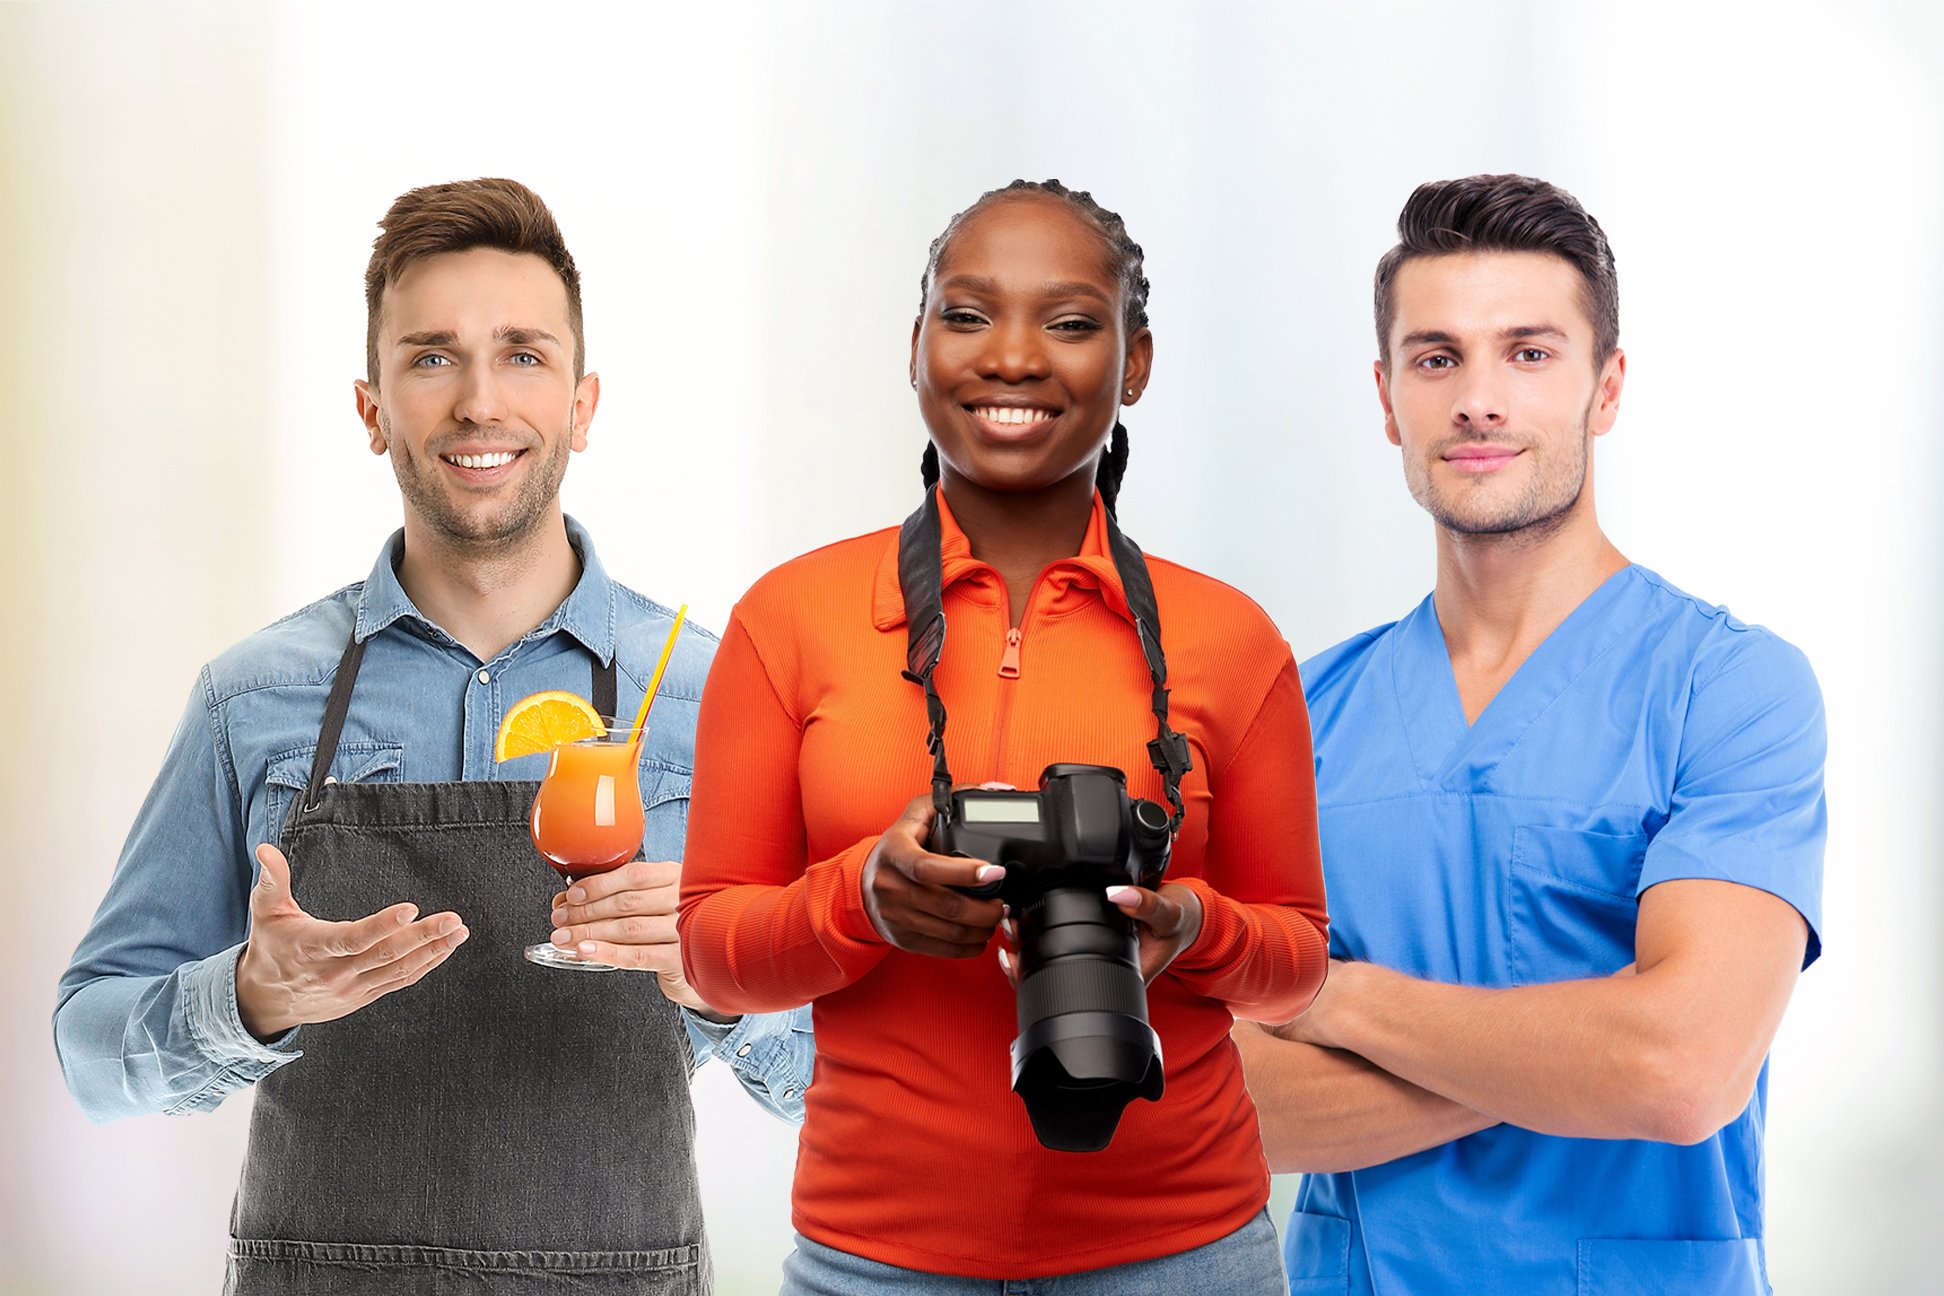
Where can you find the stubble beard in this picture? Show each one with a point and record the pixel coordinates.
(1535, 513)
(476, 530)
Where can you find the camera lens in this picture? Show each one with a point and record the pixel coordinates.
(1085, 1049)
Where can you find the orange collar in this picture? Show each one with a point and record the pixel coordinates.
(1063, 585)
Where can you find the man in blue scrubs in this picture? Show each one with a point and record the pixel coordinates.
(1572, 825)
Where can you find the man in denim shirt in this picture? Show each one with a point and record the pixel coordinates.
(334, 775)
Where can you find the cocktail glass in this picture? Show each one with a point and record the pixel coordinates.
(587, 819)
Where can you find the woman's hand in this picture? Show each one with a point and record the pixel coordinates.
(1167, 921)
(909, 897)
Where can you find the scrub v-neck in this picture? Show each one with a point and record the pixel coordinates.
(1447, 753)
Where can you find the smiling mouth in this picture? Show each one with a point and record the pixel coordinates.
(483, 462)
(1011, 422)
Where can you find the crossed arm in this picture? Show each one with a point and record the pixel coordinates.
(1384, 1065)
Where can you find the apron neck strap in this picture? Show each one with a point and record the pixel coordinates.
(335, 709)
(606, 695)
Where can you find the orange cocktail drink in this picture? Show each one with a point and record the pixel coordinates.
(587, 819)
(587, 815)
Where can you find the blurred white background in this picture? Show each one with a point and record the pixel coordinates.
(189, 194)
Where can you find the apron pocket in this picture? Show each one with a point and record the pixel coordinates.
(1617, 1267)
(1316, 1252)
(1570, 903)
(279, 1265)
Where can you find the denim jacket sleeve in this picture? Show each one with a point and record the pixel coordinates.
(772, 1055)
(145, 1018)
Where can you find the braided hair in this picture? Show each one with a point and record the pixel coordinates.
(1127, 260)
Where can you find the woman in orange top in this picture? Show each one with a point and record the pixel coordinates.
(915, 1163)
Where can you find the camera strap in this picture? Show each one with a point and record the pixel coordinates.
(921, 576)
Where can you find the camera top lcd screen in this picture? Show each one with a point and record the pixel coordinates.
(1001, 809)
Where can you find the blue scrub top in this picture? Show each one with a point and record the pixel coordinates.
(1650, 737)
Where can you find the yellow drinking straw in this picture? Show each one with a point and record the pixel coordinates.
(654, 683)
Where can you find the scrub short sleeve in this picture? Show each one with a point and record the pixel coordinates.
(1748, 789)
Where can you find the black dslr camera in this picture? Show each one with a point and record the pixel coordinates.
(1085, 1049)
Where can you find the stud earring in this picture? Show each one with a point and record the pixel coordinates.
(1130, 391)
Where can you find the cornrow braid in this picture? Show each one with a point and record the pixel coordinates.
(1129, 268)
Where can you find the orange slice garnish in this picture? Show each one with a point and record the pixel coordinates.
(543, 721)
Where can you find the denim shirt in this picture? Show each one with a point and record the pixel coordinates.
(146, 1017)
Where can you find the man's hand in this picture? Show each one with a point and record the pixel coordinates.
(626, 917)
(909, 897)
(298, 969)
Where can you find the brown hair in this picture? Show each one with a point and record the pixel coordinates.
(1505, 213)
(456, 217)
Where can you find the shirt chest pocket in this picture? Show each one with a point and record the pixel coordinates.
(289, 774)
(1570, 902)
(664, 804)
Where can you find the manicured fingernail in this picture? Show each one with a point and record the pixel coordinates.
(587, 947)
(989, 873)
(562, 936)
(459, 937)
(1119, 894)
(1005, 959)
(406, 914)
(559, 916)
(576, 895)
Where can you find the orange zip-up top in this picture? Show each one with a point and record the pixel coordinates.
(914, 1150)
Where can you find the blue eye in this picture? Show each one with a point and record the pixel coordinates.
(525, 359)
(433, 361)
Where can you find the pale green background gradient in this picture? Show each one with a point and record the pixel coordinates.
(190, 191)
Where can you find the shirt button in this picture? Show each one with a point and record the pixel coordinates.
(743, 1051)
(485, 676)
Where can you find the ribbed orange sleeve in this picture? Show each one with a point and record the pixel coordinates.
(762, 928)
(1264, 944)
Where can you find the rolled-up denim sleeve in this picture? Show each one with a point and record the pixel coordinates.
(145, 1017)
(773, 1055)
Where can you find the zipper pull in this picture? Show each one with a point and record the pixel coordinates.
(1009, 663)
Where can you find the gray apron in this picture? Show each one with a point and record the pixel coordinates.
(497, 1127)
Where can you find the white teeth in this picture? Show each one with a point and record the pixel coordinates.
(1011, 414)
(483, 461)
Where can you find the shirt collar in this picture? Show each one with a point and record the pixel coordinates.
(1089, 572)
(587, 614)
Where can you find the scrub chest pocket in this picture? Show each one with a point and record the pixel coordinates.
(1571, 905)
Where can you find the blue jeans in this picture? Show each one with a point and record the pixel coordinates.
(1248, 1262)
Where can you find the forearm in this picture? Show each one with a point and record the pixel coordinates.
(1608, 1057)
(132, 1045)
(754, 948)
(1324, 1110)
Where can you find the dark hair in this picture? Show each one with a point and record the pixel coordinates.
(1128, 268)
(1504, 213)
(456, 217)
